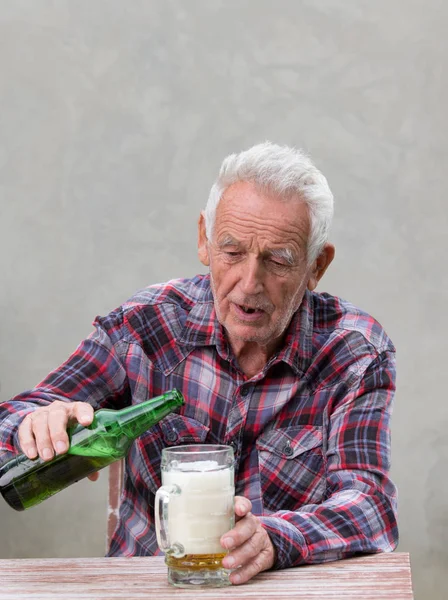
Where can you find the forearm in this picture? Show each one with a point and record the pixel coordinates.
(11, 415)
(94, 373)
(360, 517)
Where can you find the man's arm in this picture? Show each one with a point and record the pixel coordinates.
(359, 514)
(94, 374)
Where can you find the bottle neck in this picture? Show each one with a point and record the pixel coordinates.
(137, 419)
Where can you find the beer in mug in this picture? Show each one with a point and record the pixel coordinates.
(194, 508)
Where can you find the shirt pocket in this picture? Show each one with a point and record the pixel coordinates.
(173, 430)
(177, 430)
(292, 467)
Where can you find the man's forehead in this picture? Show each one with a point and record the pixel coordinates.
(238, 231)
(242, 200)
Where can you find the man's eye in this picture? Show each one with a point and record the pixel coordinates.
(276, 263)
(233, 254)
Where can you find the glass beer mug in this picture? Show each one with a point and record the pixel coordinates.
(193, 509)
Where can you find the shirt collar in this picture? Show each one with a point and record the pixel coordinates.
(202, 328)
(297, 347)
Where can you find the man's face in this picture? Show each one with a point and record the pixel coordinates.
(258, 263)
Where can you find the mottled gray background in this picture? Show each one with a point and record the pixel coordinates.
(114, 118)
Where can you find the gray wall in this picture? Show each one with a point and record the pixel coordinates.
(115, 116)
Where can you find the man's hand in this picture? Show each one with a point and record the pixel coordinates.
(44, 431)
(250, 545)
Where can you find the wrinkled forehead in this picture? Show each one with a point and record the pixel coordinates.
(245, 210)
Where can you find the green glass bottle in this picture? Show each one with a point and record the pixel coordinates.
(25, 482)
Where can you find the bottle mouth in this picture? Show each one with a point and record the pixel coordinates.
(178, 397)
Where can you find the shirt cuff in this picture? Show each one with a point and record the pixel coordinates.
(9, 430)
(288, 541)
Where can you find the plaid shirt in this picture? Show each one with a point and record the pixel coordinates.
(310, 431)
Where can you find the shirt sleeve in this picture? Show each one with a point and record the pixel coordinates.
(94, 373)
(359, 511)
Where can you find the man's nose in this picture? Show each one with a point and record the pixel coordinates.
(252, 276)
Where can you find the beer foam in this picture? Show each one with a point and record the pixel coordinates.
(198, 465)
(202, 509)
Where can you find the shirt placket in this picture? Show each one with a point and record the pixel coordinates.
(237, 419)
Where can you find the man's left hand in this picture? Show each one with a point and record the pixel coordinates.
(251, 549)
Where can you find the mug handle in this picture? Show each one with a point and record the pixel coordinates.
(162, 501)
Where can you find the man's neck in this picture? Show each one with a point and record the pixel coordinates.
(251, 357)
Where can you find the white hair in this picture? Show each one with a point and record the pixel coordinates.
(285, 172)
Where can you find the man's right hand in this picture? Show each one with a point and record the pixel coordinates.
(44, 431)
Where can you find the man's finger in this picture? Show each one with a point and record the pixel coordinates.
(93, 476)
(57, 426)
(39, 422)
(245, 553)
(26, 438)
(83, 413)
(243, 530)
(242, 506)
(249, 570)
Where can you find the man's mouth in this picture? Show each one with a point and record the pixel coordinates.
(248, 309)
(248, 312)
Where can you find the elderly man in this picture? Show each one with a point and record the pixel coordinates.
(299, 383)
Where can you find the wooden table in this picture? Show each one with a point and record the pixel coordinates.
(365, 578)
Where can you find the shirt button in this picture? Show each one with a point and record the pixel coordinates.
(171, 436)
(245, 391)
(287, 450)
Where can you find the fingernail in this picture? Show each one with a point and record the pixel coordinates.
(228, 542)
(235, 578)
(60, 447)
(85, 418)
(31, 453)
(47, 454)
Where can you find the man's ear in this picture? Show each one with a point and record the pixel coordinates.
(320, 265)
(202, 241)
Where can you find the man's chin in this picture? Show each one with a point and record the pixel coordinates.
(248, 333)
